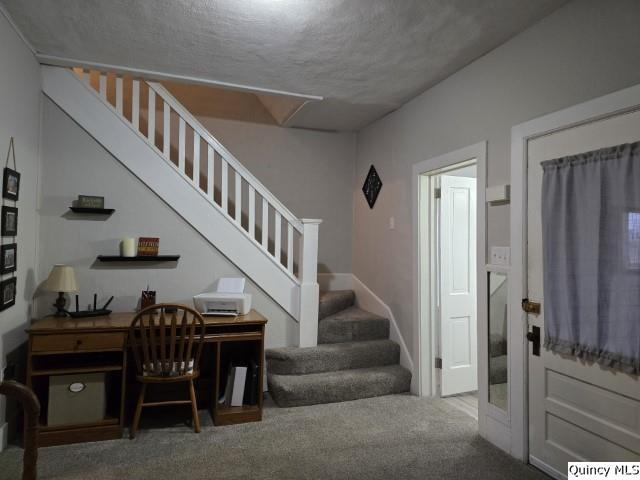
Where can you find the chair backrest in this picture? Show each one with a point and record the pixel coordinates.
(166, 340)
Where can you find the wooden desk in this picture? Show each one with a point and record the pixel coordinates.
(65, 346)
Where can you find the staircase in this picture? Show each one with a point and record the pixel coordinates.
(152, 135)
(354, 358)
(156, 138)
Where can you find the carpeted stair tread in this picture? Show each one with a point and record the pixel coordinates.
(339, 386)
(352, 325)
(334, 301)
(332, 357)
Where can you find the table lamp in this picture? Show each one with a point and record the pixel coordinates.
(62, 279)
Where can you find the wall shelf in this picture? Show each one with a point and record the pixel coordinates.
(139, 258)
(97, 211)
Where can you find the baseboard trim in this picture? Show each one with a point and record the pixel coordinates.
(552, 472)
(367, 300)
(496, 432)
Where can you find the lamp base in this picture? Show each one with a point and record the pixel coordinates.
(60, 303)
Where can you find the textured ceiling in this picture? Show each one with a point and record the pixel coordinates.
(365, 57)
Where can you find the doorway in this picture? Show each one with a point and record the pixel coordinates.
(449, 193)
(559, 434)
(569, 409)
(453, 290)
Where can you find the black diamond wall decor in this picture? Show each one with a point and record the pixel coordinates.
(372, 186)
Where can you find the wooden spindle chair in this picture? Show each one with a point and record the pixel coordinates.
(166, 340)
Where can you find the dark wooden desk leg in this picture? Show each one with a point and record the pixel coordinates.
(216, 380)
(261, 373)
(123, 396)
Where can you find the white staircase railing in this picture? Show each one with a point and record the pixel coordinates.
(179, 138)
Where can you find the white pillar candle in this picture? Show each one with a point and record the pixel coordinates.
(128, 247)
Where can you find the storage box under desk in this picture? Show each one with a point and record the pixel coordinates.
(76, 398)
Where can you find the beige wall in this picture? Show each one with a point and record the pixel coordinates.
(586, 49)
(20, 118)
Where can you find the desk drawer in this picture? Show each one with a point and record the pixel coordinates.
(77, 342)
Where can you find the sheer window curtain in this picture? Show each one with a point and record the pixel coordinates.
(591, 256)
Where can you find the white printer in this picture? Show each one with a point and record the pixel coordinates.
(228, 299)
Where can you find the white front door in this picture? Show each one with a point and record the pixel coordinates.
(458, 285)
(577, 411)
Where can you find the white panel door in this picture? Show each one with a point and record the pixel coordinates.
(458, 285)
(577, 411)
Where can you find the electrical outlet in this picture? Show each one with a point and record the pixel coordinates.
(392, 223)
(500, 256)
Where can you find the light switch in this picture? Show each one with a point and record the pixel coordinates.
(392, 223)
(500, 256)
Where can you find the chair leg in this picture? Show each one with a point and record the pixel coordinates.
(194, 408)
(136, 416)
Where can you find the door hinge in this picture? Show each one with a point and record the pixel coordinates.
(439, 363)
(437, 192)
(530, 307)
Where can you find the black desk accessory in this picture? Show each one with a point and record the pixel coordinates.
(96, 312)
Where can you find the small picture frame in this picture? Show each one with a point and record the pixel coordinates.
(10, 184)
(9, 221)
(90, 201)
(7, 293)
(8, 258)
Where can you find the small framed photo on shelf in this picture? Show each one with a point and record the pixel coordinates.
(7, 293)
(10, 184)
(90, 201)
(8, 258)
(9, 221)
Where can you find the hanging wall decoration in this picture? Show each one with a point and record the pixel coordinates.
(8, 258)
(9, 221)
(372, 186)
(9, 228)
(11, 178)
(7, 293)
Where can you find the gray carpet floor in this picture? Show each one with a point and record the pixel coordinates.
(391, 437)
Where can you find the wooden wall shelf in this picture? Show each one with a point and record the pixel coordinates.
(139, 258)
(96, 211)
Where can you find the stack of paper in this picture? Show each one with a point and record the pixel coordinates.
(241, 386)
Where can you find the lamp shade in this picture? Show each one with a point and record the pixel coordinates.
(61, 279)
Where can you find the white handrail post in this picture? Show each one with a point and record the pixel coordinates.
(309, 289)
